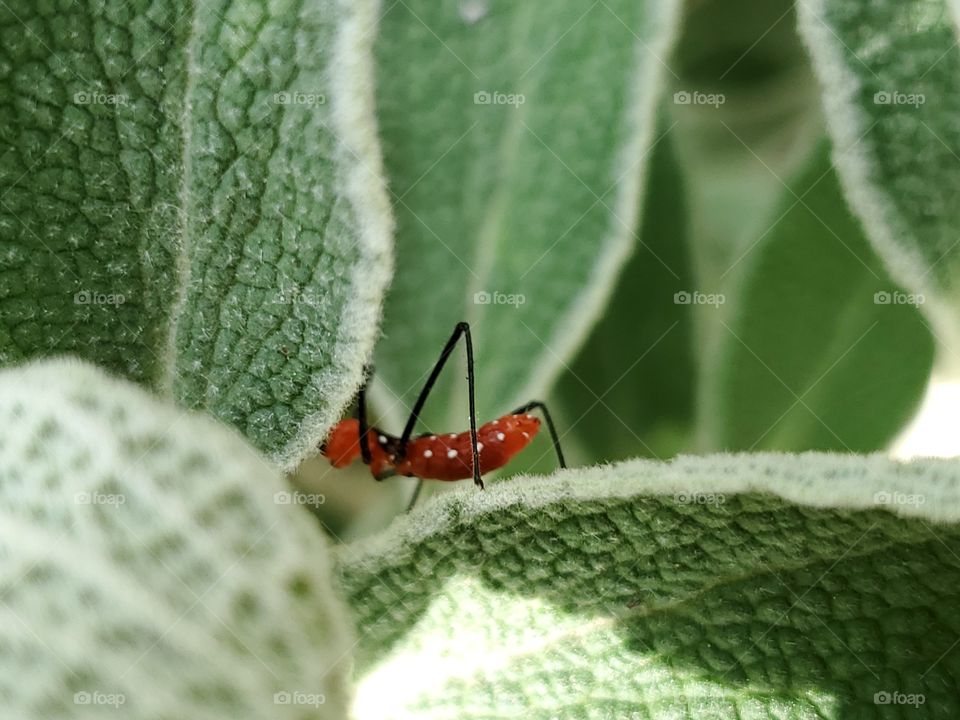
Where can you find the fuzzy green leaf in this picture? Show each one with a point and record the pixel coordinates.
(190, 195)
(152, 564)
(514, 138)
(888, 71)
(819, 348)
(807, 586)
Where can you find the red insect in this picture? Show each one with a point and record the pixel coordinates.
(455, 456)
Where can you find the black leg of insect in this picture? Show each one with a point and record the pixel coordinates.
(461, 330)
(542, 407)
(364, 430)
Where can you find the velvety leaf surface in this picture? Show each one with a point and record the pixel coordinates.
(190, 194)
(761, 586)
(888, 71)
(153, 565)
(89, 176)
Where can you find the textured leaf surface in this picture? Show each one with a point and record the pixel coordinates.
(89, 176)
(535, 198)
(148, 565)
(817, 350)
(189, 195)
(888, 71)
(758, 586)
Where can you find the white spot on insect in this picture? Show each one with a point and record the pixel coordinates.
(479, 446)
(451, 454)
(433, 437)
(382, 439)
(526, 435)
(472, 11)
(392, 458)
(452, 436)
(428, 453)
(528, 416)
(495, 422)
(501, 437)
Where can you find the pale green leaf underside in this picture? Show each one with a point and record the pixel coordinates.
(492, 195)
(144, 555)
(608, 593)
(888, 70)
(215, 166)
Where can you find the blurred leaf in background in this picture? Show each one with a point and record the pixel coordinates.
(631, 388)
(766, 117)
(795, 353)
(514, 137)
(819, 348)
(765, 122)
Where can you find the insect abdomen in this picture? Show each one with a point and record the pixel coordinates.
(449, 457)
